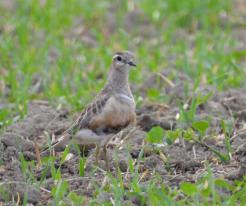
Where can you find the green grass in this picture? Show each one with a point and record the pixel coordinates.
(40, 42)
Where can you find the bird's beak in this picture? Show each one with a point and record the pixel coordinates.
(132, 64)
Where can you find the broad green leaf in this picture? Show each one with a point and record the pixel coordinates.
(223, 184)
(155, 135)
(201, 126)
(153, 93)
(188, 188)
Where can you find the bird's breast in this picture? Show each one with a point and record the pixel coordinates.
(119, 111)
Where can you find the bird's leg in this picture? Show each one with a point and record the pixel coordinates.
(106, 157)
(97, 153)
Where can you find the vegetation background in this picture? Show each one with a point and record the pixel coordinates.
(60, 51)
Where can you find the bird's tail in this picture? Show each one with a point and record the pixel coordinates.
(87, 137)
(82, 137)
(59, 144)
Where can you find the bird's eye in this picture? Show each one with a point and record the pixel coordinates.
(119, 58)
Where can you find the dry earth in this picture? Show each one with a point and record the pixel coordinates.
(173, 163)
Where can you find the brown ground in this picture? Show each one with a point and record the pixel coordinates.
(174, 163)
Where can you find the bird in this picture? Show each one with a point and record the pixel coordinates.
(112, 110)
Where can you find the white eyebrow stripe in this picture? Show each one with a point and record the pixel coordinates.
(115, 56)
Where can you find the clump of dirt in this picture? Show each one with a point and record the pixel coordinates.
(14, 184)
(157, 115)
(210, 104)
(20, 138)
(235, 102)
(41, 119)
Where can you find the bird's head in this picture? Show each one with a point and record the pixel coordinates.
(123, 61)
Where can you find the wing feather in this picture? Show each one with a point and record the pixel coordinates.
(82, 121)
(88, 113)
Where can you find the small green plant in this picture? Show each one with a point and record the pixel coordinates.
(27, 168)
(59, 191)
(172, 135)
(188, 188)
(155, 135)
(153, 94)
(75, 199)
(64, 154)
(188, 111)
(55, 173)
(4, 193)
(82, 162)
(201, 127)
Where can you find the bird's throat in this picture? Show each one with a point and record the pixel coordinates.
(118, 79)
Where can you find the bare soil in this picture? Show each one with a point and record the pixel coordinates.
(173, 163)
